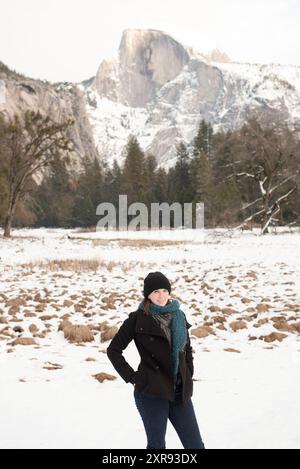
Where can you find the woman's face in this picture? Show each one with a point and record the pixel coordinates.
(159, 297)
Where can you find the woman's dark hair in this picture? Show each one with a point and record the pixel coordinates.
(147, 304)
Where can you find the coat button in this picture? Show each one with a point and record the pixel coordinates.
(157, 367)
(151, 339)
(152, 355)
(141, 329)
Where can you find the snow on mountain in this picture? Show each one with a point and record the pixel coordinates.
(159, 90)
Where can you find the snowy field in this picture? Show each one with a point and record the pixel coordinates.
(240, 292)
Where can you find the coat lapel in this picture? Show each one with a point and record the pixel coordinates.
(147, 325)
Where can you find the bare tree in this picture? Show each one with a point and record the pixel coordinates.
(28, 143)
(270, 161)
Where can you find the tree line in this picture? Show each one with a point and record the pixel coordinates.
(246, 177)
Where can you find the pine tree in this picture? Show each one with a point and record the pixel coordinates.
(227, 202)
(203, 185)
(89, 194)
(203, 140)
(227, 150)
(182, 191)
(150, 179)
(160, 187)
(113, 184)
(202, 182)
(134, 182)
(53, 201)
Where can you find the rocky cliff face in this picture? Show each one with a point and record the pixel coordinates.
(146, 61)
(61, 102)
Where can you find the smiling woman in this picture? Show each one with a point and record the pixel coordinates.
(159, 297)
(163, 384)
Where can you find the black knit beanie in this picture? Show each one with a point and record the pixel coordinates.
(155, 281)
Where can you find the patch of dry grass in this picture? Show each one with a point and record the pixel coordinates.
(83, 265)
(74, 265)
(138, 243)
(91, 229)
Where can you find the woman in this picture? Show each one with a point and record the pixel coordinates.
(163, 384)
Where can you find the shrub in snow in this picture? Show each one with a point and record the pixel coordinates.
(102, 376)
(109, 333)
(273, 337)
(24, 341)
(33, 328)
(78, 334)
(202, 331)
(65, 323)
(238, 325)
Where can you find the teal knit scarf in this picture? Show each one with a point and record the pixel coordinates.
(178, 327)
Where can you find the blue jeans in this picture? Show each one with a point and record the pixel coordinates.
(155, 413)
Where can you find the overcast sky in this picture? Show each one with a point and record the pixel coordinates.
(65, 40)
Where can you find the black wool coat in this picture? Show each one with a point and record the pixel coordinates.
(155, 373)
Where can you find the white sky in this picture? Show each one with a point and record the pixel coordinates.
(65, 40)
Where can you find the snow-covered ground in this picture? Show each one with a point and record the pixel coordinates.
(240, 289)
